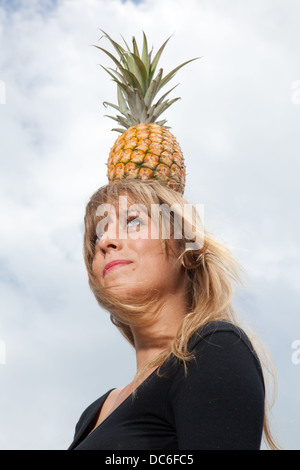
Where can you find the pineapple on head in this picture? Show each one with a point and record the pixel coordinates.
(146, 149)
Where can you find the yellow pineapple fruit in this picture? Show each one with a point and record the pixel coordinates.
(146, 149)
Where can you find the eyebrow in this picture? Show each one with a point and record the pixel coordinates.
(140, 211)
(120, 212)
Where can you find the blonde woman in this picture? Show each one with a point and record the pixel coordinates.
(199, 383)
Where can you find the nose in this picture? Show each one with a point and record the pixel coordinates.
(106, 244)
(109, 241)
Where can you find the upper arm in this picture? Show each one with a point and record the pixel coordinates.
(220, 403)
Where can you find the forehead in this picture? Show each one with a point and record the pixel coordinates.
(125, 199)
(123, 204)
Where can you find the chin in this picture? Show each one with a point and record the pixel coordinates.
(134, 293)
(122, 291)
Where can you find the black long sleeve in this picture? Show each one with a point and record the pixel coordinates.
(217, 405)
(220, 404)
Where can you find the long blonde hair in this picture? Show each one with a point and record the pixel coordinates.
(211, 270)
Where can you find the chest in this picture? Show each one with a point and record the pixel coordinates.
(143, 421)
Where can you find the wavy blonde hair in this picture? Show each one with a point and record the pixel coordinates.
(211, 271)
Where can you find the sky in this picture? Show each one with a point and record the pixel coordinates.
(238, 126)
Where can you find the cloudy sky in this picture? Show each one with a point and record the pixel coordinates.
(238, 125)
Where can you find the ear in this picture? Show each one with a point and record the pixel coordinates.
(185, 261)
(188, 260)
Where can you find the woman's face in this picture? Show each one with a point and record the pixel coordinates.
(129, 257)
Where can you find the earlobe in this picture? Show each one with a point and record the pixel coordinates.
(185, 263)
(188, 262)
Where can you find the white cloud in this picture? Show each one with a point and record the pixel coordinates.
(238, 127)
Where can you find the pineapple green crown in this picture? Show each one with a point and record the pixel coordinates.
(137, 84)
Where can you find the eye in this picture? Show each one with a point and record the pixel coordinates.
(97, 238)
(134, 221)
(100, 231)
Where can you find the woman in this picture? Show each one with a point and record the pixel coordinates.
(199, 382)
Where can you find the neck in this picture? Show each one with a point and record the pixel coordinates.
(153, 339)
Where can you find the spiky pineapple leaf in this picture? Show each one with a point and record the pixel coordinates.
(145, 54)
(153, 89)
(132, 79)
(120, 120)
(162, 107)
(128, 48)
(119, 129)
(162, 124)
(155, 61)
(170, 75)
(136, 85)
(166, 94)
(120, 50)
(122, 102)
(106, 104)
(118, 64)
(142, 71)
(114, 74)
(135, 47)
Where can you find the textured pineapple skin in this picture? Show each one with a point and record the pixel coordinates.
(146, 152)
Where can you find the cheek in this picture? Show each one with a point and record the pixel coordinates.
(154, 262)
(149, 251)
(97, 268)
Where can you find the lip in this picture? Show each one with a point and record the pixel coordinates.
(115, 264)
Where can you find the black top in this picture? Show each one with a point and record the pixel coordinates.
(218, 405)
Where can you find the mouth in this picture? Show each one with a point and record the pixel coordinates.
(114, 265)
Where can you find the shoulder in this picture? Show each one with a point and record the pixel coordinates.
(217, 400)
(210, 329)
(222, 334)
(222, 349)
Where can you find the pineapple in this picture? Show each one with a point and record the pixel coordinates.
(146, 149)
